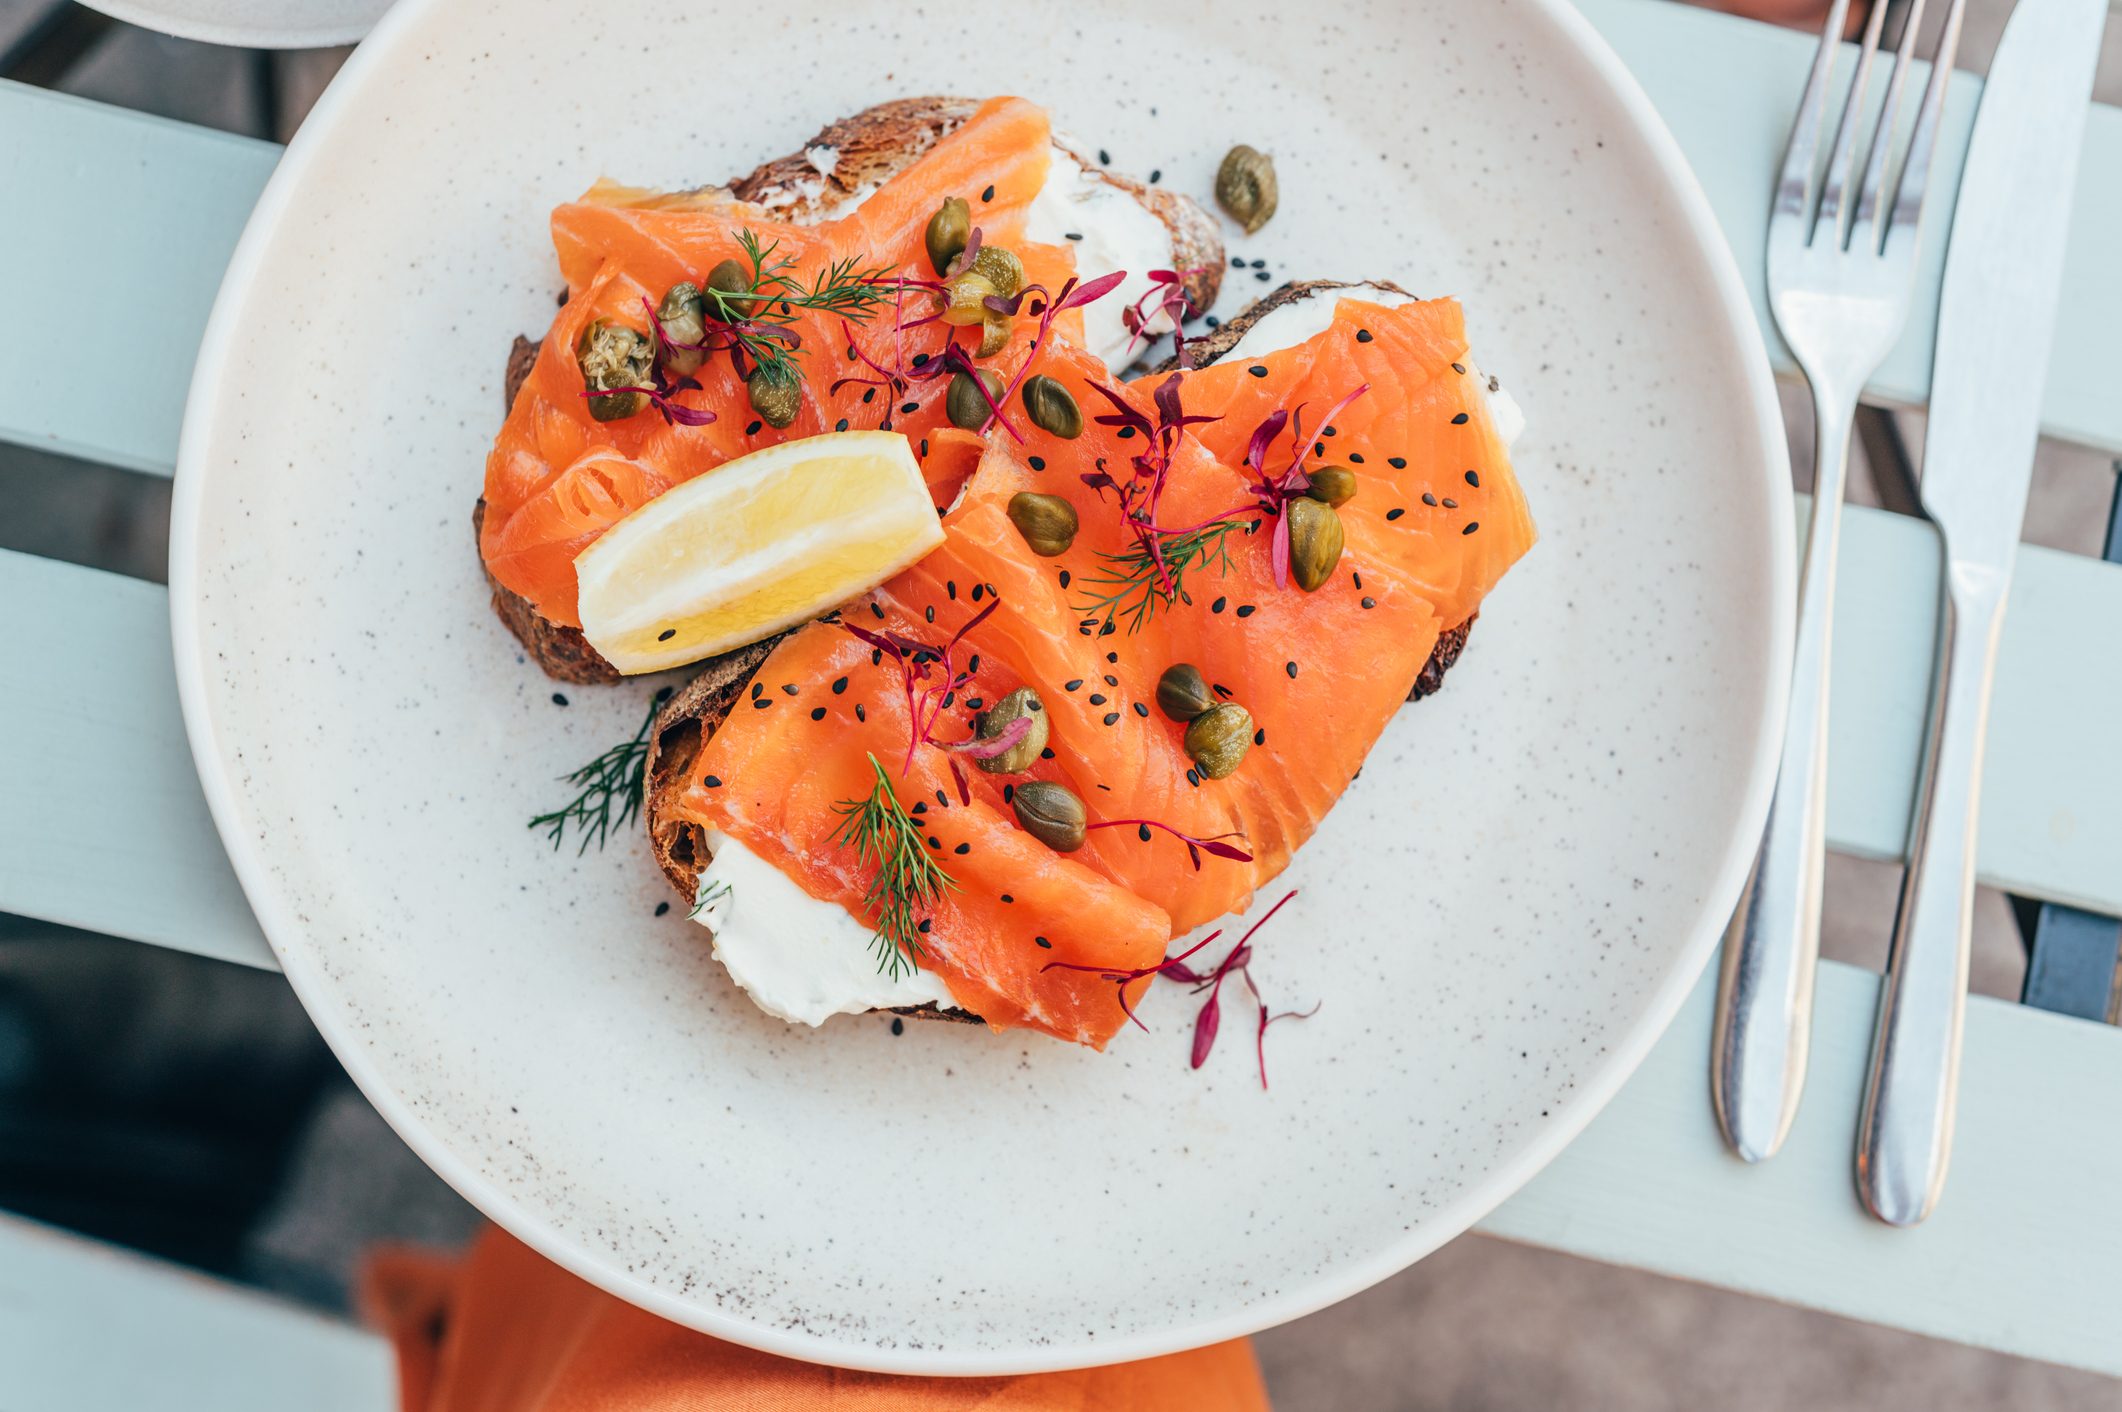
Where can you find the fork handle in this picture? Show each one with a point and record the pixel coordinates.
(1904, 1137)
(1765, 987)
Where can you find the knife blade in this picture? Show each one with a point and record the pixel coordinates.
(1996, 317)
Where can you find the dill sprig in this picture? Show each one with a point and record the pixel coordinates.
(611, 789)
(1131, 586)
(907, 882)
(759, 320)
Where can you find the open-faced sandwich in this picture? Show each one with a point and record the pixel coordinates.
(1013, 668)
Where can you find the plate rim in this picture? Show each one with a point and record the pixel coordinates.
(328, 35)
(1596, 1090)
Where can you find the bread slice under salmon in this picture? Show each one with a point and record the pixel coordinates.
(691, 717)
(868, 150)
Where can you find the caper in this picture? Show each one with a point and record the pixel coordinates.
(731, 278)
(1218, 739)
(994, 334)
(1333, 485)
(967, 408)
(1023, 704)
(1001, 268)
(1182, 692)
(965, 299)
(776, 392)
(681, 316)
(1047, 522)
(1315, 539)
(948, 230)
(1245, 184)
(1050, 813)
(1051, 407)
(614, 356)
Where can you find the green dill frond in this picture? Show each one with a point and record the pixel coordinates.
(905, 882)
(1128, 587)
(611, 788)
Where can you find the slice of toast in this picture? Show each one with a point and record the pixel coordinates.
(693, 715)
(843, 162)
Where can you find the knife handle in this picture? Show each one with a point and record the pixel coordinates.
(1904, 1137)
(1772, 944)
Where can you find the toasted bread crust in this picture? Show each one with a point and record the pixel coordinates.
(868, 149)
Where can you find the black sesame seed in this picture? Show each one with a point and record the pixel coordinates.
(924, 448)
(974, 703)
(910, 408)
(963, 849)
(1459, 368)
(1140, 709)
(1318, 448)
(758, 690)
(950, 589)
(1355, 458)
(1356, 578)
(1097, 698)
(1370, 602)
(1214, 322)
(1473, 478)
(1221, 690)
(1047, 754)
(942, 799)
(926, 923)
(1258, 370)
(1072, 685)
(1112, 656)
(665, 636)
(1009, 792)
(1108, 630)
(817, 713)
(989, 194)
(1237, 262)
(973, 665)
(978, 589)
(1262, 275)
(948, 698)
(1398, 463)
(860, 714)
(930, 612)
(713, 781)
(1142, 832)
(1291, 668)
(1112, 718)
(840, 425)
(1259, 264)
(1105, 158)
(1043, 942)
(1471, 526)
(1246, 610)
(1111, 680)
(920, 359)
(1395, 513)
(934, 842)
(1460, 420)
(1362, 335)
(1329, 431)
(762, 702)
(877, 610)
(839, 685)
(788, 688)
(1193, 777)
(1450, 504)
(1428, 499)
(920, 807)
(869, 394)
(1127, 433)
(662, 908)
(559, 699)
(1007, 898)
(1064, 578)
(1217, 606)
(1038, 463)
(1156, 175)
(1072, 235)
(898, 1026)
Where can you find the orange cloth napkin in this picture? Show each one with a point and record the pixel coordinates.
(505, 1330)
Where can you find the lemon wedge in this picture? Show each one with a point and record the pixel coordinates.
(754, 546)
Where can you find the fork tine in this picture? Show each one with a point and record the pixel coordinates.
(1841, 161)
(1923, 141)
(1867, 223)
(1795, 184)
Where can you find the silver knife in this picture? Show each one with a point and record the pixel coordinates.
(1996, 315)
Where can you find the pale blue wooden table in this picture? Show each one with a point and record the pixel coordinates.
(2023, 1252)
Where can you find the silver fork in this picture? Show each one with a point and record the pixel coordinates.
(1840, 274)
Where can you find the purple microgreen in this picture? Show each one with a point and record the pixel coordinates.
(1124, 978)
(1010, 737)
(927, 675)
(1205, 1026)
(1214, 844)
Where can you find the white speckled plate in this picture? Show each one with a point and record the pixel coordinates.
(1496, 921)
